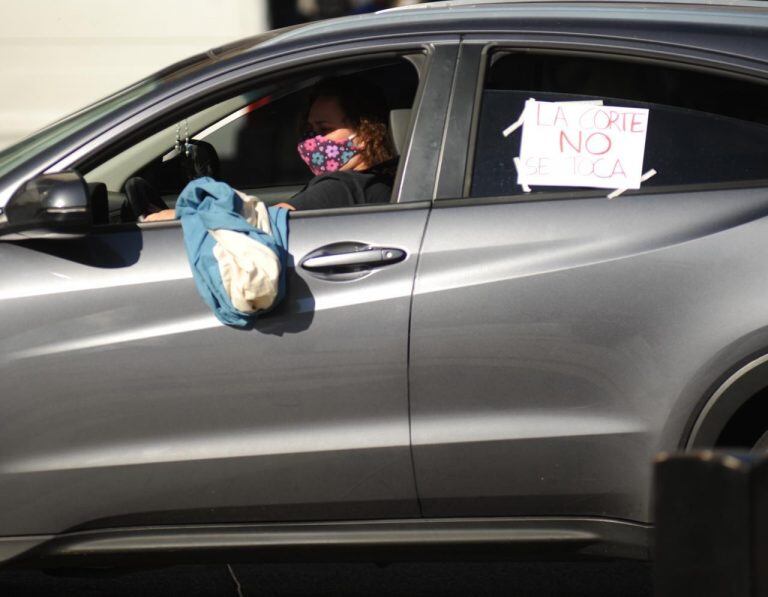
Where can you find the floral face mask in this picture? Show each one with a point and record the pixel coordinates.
(324, 155)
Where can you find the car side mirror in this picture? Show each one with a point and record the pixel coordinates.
(49, 206)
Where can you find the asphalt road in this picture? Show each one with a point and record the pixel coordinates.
(592, 579)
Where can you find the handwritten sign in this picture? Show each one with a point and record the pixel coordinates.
(582, 144)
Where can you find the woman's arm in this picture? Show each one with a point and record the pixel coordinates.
(170, 214)
(159, 216)
(323, 193)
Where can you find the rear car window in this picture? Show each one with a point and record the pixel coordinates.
(702, 129)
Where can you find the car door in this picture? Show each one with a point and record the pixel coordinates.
(560, 339)
(126, 402)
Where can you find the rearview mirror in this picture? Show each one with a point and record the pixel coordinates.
(49, 206)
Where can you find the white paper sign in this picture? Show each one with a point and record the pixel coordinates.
(580, 144)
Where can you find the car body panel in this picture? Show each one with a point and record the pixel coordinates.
(557, 344)
(127, 400)
(542, 379)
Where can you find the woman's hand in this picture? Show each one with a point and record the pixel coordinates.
(170, 214)
(159, 216)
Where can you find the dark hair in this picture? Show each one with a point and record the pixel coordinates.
(366, 110)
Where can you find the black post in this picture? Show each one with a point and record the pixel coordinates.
(711, 525)
(283, 13)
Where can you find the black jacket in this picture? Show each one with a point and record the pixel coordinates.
(343, 189)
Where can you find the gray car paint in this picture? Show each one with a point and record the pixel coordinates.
(263, 432)
(553, 341)
(123, 395)
(151, 412)
(555, 346)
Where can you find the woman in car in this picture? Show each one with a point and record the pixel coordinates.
(345, 143)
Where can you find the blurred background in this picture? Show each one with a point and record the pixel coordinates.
(60, 55)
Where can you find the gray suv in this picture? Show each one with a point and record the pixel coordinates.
(506, 384)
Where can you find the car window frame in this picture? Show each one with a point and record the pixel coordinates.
(192, 90)
(475, 54)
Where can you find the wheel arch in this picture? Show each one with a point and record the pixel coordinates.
(732, 395)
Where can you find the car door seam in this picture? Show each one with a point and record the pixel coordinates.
(408, 361)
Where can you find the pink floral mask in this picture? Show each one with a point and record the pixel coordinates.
(324, 155)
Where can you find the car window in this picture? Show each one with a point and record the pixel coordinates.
(702, 129)
(255, 146)
(258, 149)
(252, 138)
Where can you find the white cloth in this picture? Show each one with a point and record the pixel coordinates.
(250, 271)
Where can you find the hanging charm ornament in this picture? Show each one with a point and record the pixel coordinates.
(186, 137)
(178, 143)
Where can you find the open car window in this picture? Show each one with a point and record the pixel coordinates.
(255, 146)
(254, 136)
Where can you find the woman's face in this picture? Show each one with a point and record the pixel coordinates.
(327, 118)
